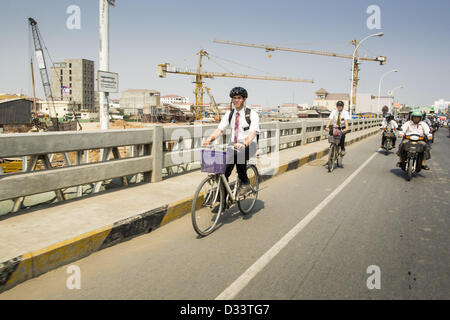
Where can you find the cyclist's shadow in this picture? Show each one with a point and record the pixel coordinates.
(233, 213)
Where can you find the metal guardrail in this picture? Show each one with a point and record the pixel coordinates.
(151, 152)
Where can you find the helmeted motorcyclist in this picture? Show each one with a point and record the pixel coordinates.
(388, 123)
(415, 126)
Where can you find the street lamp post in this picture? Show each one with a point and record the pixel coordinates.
(104, 60)
(379, 86)
(353, 67)
(391, 94)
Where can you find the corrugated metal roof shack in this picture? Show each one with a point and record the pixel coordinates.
(15, 115)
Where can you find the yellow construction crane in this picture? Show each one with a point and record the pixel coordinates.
(165, 68)
(213, 105)
(269, 48)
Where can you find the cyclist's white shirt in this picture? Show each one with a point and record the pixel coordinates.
(392, 123)
(334, 116)
(242, 134)
(421, 128)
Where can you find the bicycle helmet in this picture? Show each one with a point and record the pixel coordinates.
(238, 91)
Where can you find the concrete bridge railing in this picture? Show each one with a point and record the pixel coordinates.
(145, 154)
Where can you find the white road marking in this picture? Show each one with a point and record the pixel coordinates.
(241, 282)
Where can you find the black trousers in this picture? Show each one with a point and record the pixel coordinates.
(240, 159)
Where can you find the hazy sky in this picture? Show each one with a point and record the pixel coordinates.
(146, 33)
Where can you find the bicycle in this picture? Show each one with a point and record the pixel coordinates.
(335, 152)
(215, 194)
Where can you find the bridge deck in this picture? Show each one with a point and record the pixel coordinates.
(36, 241)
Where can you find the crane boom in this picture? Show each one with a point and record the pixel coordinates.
(164, 68)
(381, 59)
(273, 48)
(40, 59)
(213, 104)
(43, 69)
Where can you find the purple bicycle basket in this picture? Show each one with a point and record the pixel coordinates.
(214, 161)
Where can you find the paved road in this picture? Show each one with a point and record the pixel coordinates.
(340, 223)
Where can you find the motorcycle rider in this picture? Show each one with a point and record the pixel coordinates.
(389, 123)
(429, 121)
(415, 126)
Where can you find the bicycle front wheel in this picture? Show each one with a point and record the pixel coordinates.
(247, 201)
(207, 205)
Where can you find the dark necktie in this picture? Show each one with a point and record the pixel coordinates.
(236, 127)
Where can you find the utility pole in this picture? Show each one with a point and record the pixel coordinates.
(104, 60)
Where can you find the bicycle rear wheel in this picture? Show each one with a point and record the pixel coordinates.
(207, 205)
(331, 156)
(339, 157)
(247, 202)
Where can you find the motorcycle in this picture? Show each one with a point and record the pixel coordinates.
(414, 148)
(389, 135)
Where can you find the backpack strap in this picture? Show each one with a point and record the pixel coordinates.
(247, 116)
(230, 116)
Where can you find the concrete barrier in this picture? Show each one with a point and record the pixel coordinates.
(149, 160)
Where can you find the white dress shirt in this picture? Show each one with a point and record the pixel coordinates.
(421, 128)
(392, 123)
(242, 134)
(334, 116)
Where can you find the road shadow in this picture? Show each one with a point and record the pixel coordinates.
(383, 152)
(233, 213)
(402, 174)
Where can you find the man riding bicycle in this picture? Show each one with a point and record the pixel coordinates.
(245, 127)
(336, 118)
